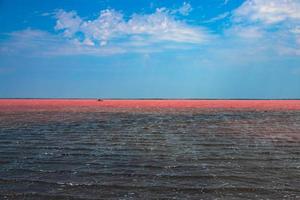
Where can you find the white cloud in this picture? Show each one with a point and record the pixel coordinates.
(275, 21)
(68, 21)
(37, 43)
(219, 17)
(31, 42)
(185, 9)
(109, 33)
(25, 41)
(268, 11)
(296, 30)
(111, 25)
(246, 32)
(254, 27)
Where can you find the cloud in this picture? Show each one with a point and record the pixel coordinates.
(111, 25)
(109, 33)
(219, 17)
(30, 42)
(25, 41)
(276, 21)
(255, 26)
(37, 43)
(268, 12)
(296, 30)
(68, 21)
(246, 32)
(185, 9)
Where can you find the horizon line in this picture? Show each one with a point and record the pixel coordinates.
(29, 98)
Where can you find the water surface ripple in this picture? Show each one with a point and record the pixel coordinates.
(100, 152)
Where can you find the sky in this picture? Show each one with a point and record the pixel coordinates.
(150, 49)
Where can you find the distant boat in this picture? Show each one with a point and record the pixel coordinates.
(99, 99)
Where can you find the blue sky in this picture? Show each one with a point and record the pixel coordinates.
(150, 49)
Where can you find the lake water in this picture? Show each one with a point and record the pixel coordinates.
(85, 149)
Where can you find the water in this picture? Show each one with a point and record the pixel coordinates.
(107, 152)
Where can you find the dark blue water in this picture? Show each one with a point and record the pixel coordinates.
(191, 154)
